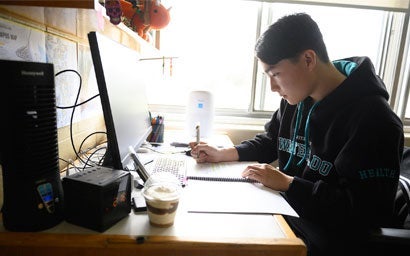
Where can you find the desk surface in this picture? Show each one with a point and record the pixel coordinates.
(191, 234)
(224, 235)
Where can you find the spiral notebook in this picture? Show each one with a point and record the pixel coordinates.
(221, 179)
(225, 171)
(219, 188)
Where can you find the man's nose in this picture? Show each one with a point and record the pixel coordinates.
(273, 86)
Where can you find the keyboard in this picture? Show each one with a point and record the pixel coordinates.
(171, 165)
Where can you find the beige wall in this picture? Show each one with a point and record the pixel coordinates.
(73, 25)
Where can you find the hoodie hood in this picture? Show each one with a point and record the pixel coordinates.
(361, 81)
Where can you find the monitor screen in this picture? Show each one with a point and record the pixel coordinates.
(121, 84)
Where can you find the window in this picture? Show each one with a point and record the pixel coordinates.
(360, 34)
(213, 49)
(404, 92)
(213, 43)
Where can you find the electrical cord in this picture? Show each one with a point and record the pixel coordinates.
(91, 155)
(79, 104)
(76, 104)
(70, 162)
(81, 151)
(88, 136)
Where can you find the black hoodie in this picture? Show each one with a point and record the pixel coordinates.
(349, 147)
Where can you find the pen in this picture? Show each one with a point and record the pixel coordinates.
(198, 137)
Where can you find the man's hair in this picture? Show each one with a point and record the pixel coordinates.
(288, 37)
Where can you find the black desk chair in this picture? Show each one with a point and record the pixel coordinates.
(388, 241)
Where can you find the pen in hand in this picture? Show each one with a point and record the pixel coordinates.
(198, 138)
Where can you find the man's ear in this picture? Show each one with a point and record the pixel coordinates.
(310, 58)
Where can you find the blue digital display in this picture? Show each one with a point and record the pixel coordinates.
(200, 105)
(47, 198)
(46, 192)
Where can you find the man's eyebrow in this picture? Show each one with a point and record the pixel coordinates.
(269, 68)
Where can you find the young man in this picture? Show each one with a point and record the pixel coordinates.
(337, 142)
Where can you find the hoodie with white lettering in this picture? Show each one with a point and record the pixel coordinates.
(344, 152)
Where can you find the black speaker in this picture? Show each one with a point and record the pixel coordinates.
(32, 188)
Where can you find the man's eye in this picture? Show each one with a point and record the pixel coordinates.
(270, 73)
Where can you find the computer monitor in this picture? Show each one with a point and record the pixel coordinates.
(121, 83)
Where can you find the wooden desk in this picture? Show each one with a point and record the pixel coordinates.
(192, 234)
(67, 239)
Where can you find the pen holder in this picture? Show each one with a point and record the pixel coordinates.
(157, 134)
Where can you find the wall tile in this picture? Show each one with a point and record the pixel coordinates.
(63, 19)
(35, 14)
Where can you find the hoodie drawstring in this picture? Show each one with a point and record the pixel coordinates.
(307, 131)
(293, 143)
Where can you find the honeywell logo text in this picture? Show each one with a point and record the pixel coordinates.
(32, 73)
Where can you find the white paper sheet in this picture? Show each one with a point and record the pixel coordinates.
(223, 169)
(232, 197)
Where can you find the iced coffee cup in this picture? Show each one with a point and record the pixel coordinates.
(162, 192)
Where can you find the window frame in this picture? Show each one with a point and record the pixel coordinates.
(390, 55)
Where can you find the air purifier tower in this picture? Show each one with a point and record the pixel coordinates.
(32, 189)
(200, 110)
